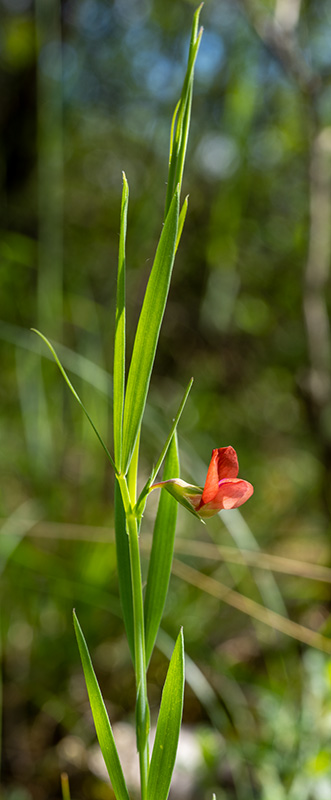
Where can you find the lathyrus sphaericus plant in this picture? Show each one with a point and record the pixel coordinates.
(142, 615)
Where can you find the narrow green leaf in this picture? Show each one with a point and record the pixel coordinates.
(184, 115)
(161, 554)
(168, 727)
(143, 495)
(181, 221)
(172, 129)
(148, 330)
(68, 382)
(133, 472)
(119, 342)
(181, 118)
(101, 719)
(124, 568)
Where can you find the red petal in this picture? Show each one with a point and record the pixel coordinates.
(212, 480)
(227, 463)
(223, 464)
(233, 493)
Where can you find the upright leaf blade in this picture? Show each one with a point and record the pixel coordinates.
(181, 221)
(168, 727)
(119, 342)
(101, 719)
(161, 554)
(124, 568)
(148, 330)
(181, 118)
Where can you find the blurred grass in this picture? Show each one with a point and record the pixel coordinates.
(235, 320)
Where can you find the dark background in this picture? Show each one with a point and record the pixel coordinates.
(88, 89)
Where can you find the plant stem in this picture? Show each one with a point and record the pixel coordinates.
(142, 708)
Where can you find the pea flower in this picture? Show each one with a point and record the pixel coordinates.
(222, 488)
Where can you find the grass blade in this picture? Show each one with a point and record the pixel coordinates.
(68, 382)
(148, 330)
(168, 727)
(181, 118)
(133, 472)
(101, 719)
(161, 554)
(181, 221)
(124, 568)
(119, 343)
(197, 681)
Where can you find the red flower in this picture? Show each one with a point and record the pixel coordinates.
(222, 488)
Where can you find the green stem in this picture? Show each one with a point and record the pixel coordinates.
(142, 708)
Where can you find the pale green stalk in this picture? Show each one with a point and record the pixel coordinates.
(142, 708)
(65, 786)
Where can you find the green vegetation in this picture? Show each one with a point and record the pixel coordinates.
(247, 316)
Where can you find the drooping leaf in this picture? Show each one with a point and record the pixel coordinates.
(68, 382)
(123, 568)
(148, 330)
(119, 341)
(101, 719)
(168, 727)
(161, 554)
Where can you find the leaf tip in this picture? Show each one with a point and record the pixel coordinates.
(35, 330)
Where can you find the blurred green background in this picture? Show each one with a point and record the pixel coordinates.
(88, 88)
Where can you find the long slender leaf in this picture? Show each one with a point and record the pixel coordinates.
(148, 332)
(101, 719)
(133, 472)
(172, 129)
(119, 343)
(68, 382)
(185, 111)
(123, 568)
(161, 554)
(168, 727)
(181, 118)
(181, 221)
